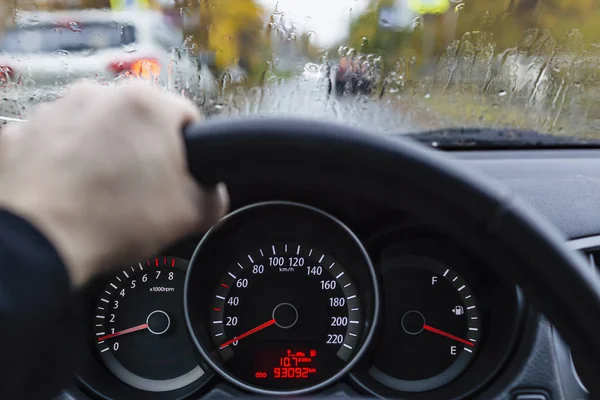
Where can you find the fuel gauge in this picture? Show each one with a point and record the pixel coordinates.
(432, 325)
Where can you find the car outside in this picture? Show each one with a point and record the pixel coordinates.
(44, 52)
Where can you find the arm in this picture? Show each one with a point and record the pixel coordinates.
(101, 174)
(37, 316)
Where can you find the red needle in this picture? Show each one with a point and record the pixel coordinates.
(448, 335)
(250, 332)
(123, 332)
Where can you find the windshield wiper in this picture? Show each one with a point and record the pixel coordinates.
(481, 139)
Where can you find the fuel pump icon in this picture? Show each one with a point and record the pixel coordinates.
(458, 310)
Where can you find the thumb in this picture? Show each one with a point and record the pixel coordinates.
(212, 204)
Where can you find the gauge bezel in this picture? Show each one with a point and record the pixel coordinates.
(121, 280)
(94, 377)
(220, 244)
(398, 263)
(501, 308)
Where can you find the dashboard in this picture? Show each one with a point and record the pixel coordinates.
(296, 293)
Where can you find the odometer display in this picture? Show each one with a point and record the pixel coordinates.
(282, 308)
(281, 298)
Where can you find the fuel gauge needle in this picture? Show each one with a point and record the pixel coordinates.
(448, 335)
(124, 332)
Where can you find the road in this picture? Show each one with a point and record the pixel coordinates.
(309, 97)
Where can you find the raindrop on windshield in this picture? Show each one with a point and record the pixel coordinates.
(74, 26)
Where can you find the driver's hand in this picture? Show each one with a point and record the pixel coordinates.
(102, 173)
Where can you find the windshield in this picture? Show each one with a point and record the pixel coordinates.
(390, 66)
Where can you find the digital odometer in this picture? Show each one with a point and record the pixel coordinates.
(292, 298)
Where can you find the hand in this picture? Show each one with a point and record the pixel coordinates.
(102, 173)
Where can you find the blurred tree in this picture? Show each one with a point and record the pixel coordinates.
(232, 29)
(562, 16)
(505, 22)
(95, 3)
(509, 20)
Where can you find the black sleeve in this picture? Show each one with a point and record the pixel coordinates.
(37, 315)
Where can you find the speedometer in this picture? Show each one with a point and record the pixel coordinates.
(296, 296)
(291, 302)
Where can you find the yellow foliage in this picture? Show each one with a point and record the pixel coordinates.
(505, 22)
(222, 39)
(429, 6)
(223, 23)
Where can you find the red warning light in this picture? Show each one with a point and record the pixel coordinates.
(313, 353)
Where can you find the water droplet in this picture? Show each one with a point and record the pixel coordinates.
(74, 26)
(428, 95)
(417, 23)
(502, 93)
(310, 67)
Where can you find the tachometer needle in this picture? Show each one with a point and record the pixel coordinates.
(124, 332)
(448, 335)
(246, 334)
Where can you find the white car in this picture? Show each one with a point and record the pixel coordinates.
(52, 49)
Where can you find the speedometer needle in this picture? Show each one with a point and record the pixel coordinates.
(250, 332)
(446, 334)
(123, 332)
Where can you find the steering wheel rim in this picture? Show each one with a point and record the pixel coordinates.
(424, 183)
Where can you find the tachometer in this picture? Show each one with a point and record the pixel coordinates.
(139, 327)
(287, 310)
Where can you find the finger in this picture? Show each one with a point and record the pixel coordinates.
(217, 203)
(172, 108)
(11, 130)
(84, 89)
(182, 109)
(9, 135)
(212, 205)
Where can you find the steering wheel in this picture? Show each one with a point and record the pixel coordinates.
(401, 175)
